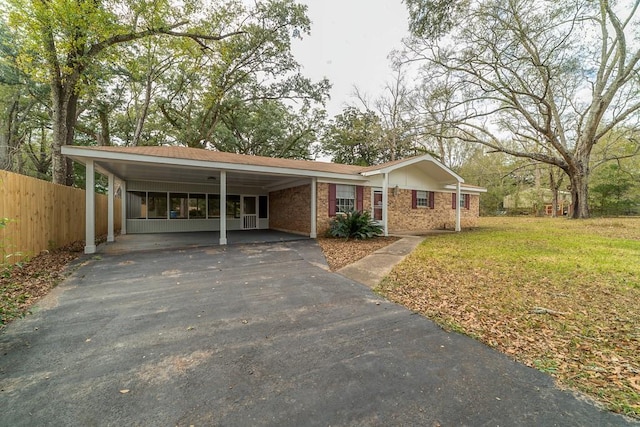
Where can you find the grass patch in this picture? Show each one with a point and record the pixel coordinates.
(558, 295)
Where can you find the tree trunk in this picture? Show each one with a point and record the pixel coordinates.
(9, 139)
(539, 202)
(143, 114)
(554, 194)
(579, 177)
(59, 125)
(64, 120)
(104, 136)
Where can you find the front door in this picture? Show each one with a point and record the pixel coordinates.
(249, 212)
(377, 205)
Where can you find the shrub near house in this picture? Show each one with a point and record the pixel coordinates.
(354, 224)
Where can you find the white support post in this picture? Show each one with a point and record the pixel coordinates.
(314, 194)
(458, 195)
(123, 205)
(110, 208)
(385, 203)
(90, 209)
(223, 207)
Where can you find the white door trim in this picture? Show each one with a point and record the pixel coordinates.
(249, 221)
(381, 206)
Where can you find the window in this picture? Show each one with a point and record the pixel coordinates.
(233, 206)
(422, 199)
(464, 201)
(213, 207)
(345, 198)
(263, 207)
(197, 206)
(168, 205)
(136, 205)
(179, 203)
(157, 205)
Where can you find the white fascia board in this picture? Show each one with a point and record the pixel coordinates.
(410, 187)
(360, 181)
(409, 162)
(80, 153)
(467, 190)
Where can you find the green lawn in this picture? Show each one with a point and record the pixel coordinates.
(560, 295)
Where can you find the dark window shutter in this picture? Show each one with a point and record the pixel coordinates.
(432, 200)
(332, 200)
(359, 197)
(467, 201)
(414, 199)
(453, 200)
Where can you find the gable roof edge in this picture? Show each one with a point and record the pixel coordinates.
(391, 166)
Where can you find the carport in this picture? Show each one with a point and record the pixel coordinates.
(136, 173)
(189, 240)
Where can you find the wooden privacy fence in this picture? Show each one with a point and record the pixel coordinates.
(43, 216)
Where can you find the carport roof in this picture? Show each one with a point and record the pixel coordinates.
(194, 164)
(220, 157)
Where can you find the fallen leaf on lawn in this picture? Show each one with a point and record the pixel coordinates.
(124, 391)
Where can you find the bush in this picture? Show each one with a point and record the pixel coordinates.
(354, 224)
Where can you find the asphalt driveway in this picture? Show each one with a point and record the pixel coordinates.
(255, 335)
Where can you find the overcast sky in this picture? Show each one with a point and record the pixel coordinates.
(349, 44)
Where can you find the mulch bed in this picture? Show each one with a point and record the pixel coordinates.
(341, 252)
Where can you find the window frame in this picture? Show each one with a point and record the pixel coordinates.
(200, 205)
(348, 203)
(422, 202)
(426, 202)
(463, 203)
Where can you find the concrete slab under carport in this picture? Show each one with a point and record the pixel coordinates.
(182, 240)
(255, 335)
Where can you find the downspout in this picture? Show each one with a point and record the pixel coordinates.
(223, 207)
(458, 195)
(90, 209)
(314, 194)
(385, 202)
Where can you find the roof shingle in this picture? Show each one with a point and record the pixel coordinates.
(232, 158)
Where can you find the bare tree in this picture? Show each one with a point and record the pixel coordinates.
(395, 111)
(433, 105)
(541, 80)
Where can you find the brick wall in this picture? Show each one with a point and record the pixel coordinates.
(470, 217)
(322, 208)
(402, 217)
(322, 213)
(290, 209)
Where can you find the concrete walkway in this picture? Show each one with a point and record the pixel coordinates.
(371, 269)
(259, 335)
